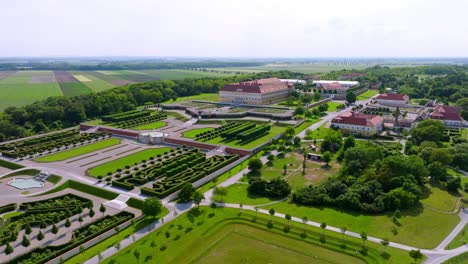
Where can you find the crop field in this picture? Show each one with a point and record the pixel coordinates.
(127, 160)
(302, 68)
(18, 88)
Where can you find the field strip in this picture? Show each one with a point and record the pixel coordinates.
(82, 78)
(95, 161)
(118, 154)
(115, 148)
(85, 157)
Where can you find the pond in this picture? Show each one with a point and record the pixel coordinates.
(24, 184)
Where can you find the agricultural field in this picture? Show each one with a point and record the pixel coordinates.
(18, 88)
(129, 160)
(71, 153)
(302, 68)
(231, 237)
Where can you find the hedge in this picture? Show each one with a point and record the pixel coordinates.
(135, 203)
(8, 208)
(10, 165)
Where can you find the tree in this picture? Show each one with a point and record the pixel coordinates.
(428, 130)
(152, 207)
(102, 209)
(441, 155)
(415, 254)
(343, 231)
(197, 198)
(270, 159)
(297, 141)
(40, 235)
(299, 110)
(67, 223)
(350, 97)
(55, 229)
(323, 225)
(256, 211)
(304, 221)
(42, 224)
(385, 243)
(437, 171)
(186, 192)
(28, 229)
(288, 218)
(272, 213)
(9, 249)
(91, 213)
(364, 238)
(326, 157)
(323, 107)
(136, 253)
(453, 184)
(290, 131)
(285, 167)
(25, 242)
(100, 257)
(221, 191)
(349, 142)
(317, 96)
(255, 165)
(80, 219)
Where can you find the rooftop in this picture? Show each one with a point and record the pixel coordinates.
(445, 112)
(393, 97)
(340, 82)
(358, 119)
(257, 86)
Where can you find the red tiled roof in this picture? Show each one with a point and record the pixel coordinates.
(332, 86)
(358, 119)
(393, 97)
(445, 112)
(258, 86)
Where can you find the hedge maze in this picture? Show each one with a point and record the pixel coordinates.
(172, 172)
(34, 146)
(245, 132)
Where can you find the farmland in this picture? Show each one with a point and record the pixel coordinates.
(18, 88)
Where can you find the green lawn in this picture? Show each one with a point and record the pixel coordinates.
(11, 214)
(154, 125)
(440, 200)
(333, 106)
(275, 130)
(237, 193)
(71, 153)
(367, 94)
(464, 133)
(111, 241)
(306, 124)
(420, 227)
(193, 132)
(460, 240)
(460, 259)
(129, 160)
(228, 237)
(319, 133)
(214, 97)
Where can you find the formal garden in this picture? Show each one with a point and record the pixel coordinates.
(139, 120)
(50, 143)
(31, 226)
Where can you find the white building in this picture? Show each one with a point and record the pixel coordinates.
(357, 123)
(258, 92)
(344, 84)
(392, 99)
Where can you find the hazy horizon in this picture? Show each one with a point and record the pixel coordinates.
(243, 29)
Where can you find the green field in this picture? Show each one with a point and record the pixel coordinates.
(94, 83)
(67, 154)
(193, 132)
(367, 94)
(74, 89)
(296, 67)
(180, 74)
(460, 240)
(214, 97)
(237, 193)
(332, 106)
(154, 125)
(319, 133)
(230, 237)
(415, 229)
(460, 259)
(18, 94)
(275, 130)
(129, 160)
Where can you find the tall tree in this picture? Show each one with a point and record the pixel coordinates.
(152, 207)
(197, 198)
(186, 192)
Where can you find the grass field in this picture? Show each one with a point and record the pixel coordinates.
(367, 94)
(74, 89)
(332, 106)
(275, 130)
(319, 133)
(415, 229)
(237, 193)
(92, 82)
(302, 68)
(130, 160)
(460, 259)
(214, 97)
(11, 214)
(154, 125)
(460, 240)
(230, 237)
(18, 94)
(193, 132)
(67, 154)
(180, 74)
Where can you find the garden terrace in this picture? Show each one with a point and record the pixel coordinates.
(48, 143)
(44, 212)
(177, 176)
(80, 235)
(140, 121)
(130, 115)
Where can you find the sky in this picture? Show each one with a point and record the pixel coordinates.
(240, 28)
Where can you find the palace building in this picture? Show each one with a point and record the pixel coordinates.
(257, 92)
(357, 123)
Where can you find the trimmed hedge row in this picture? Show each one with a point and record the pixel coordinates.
(7, 208)
(10, 165)
(141, 121)
(253, 133)
(232, 133)
(125, 116)
(174, 182)
(207, 135)
(80, 236)
(39, 140)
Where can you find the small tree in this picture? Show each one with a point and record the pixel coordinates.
(221, 191)
(136, 253)
(305, 220)
(364, 238)
(100, 257)
(117, 246)
(323, 226)
(343, 231)
(272, 213)
(285, 167)
(415, 254)
(241, 207)
(67, 223)
(288, 218)
(42, 224)
(255, 165)
(25, 242)
(40, 235)
(152, 207)
(102, 209)
(326, 157)
(197, 198)
(9, 249)
(28, 229)
(91, 213)
(256, 211)
(80, 219)
(385, 243)
(55, 229)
